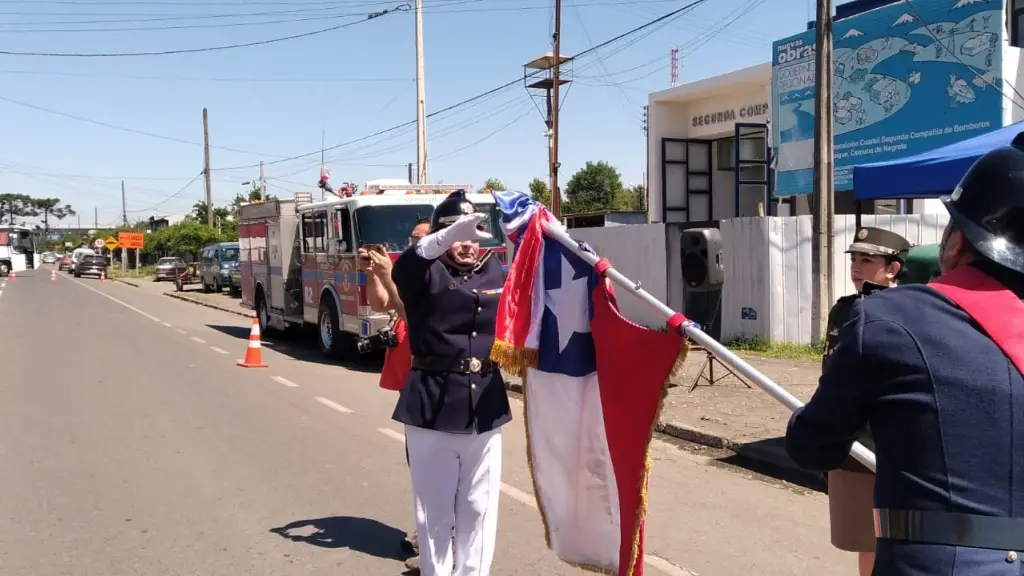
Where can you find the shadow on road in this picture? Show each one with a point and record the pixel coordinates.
(768, 457)
(302, 347)
(362, 535)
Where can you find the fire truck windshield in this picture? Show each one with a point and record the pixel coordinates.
(391, 225)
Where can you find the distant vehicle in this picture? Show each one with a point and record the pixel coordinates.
(168, 268)
(17, 250)
(77, 256)
(215, 265)
(91, 265)
(235, 287)
(64, 263)
(50, 257)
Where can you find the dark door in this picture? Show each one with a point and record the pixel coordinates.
(686, 180)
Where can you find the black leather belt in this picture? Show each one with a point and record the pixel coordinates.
(950, 529)
(463, 365)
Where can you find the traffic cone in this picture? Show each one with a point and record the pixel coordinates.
(13, 276)
(53, 275)
(254, 353)
(103, 277)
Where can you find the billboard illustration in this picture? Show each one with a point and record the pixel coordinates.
(907, 78)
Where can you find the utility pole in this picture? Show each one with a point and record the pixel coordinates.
(206, 169)
(410, 174)
(421, 102)
(124, 206)
(821, 262)
(95, 218)
(263, 184)
(556, 195)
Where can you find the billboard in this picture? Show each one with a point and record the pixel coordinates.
(907, 78)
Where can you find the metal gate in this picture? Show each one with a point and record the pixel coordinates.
(685, 180)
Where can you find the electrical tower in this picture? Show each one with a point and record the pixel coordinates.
(675, 67)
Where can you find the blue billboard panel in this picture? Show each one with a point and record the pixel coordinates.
(906, 79)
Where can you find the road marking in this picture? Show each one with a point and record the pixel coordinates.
(334, 405)
(218, 350)
(166, 324)
(180, 331)
(393, 434)
(126, 305)
(199, 340)
(284, 381)
(527, 499)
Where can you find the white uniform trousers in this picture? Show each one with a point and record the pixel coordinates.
(456, 482)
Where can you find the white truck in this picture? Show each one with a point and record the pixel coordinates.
(17, 250)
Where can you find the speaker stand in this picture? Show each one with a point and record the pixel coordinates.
(706, 376)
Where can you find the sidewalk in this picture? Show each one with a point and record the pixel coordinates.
(193, 294)
(728, 415)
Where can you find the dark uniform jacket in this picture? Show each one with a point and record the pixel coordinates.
(946, 409)
(451, 315)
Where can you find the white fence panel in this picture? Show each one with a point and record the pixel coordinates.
(746, 303)
(638, 251)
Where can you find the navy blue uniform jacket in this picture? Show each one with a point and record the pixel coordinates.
(451, 314)
(946, 411)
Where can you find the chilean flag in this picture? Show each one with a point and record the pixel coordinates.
(593, 385)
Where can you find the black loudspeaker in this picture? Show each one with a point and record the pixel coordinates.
(703, 268)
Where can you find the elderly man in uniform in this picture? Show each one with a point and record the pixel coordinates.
(877, 259)
(936, 371)
(382, 296)
(454, 402)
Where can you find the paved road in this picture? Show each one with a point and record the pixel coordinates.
(132, 445)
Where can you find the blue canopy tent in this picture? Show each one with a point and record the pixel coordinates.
(929, 174)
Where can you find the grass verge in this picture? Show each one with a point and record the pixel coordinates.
(143, 272)
(784, 350)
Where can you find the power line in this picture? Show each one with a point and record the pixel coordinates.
(208, 79)
(373, 16)
(169, 198)
(482, 95)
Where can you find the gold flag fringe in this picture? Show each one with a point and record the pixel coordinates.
(514, 360)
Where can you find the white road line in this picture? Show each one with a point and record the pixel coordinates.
(393, 434)
(218, 350)
(126, 305)
(166, 324)
(180, 331)
(334, 405)
(199, 340)
(1, 292)
(284, 381)
(527, 499)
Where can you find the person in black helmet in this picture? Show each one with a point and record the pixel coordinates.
(454, 401)
(877, 260)
(936, 371)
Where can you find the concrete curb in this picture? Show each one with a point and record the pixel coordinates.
(208, 305)
(132, 284)
(767, 455)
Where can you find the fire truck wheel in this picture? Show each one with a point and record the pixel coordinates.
(327, 331)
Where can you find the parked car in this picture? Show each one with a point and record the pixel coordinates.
(91, 265)
(64, 263)
(169, 268)
(215, 265)
(235, 288)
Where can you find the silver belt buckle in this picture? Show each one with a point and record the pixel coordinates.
(475, 365)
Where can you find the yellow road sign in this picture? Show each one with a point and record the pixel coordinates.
(110, 242)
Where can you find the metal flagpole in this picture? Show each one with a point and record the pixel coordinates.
(723, 354)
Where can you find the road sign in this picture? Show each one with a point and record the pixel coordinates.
(110, 242)
(131, 240)
(98, 243)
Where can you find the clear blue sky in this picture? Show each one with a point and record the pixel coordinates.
(276, 99)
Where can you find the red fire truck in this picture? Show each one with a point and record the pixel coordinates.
(299, 266)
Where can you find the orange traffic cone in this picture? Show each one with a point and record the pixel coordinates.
(53, 275)
(13, 276)
(254, 353)
(103, 277)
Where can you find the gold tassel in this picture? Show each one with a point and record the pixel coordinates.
(684, 351)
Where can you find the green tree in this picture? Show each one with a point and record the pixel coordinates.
(634, 199)
(539, 191)
(491, 184)
(14, 206)
(596, 187)
(51, 207)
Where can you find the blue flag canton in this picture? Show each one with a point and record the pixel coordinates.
(566, 342)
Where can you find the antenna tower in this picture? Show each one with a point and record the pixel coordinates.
(675, 67)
